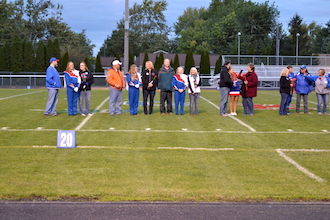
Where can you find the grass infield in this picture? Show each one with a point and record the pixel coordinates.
(161, 157)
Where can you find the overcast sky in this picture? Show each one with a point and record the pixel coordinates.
(99, 17)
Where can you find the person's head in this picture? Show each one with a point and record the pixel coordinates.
(83, 66)
(193, 71)
(285, 72)
(303, 69)
(231, 70)
(149, 65)
(179, 70)
(321, 72)
(116, 64)
(69, 66)
(53, 62)
(289, 67)
(133, 69)
(227, 63)
(167, 63)
(250, 67)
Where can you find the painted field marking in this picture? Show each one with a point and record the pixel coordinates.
(299, 167)
(278, 95)
(6, 129)
(193, 149)
(14, 96)
(89, 116)
(232, 117)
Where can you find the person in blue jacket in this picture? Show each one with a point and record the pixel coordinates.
(133, 79)
(303, 88)
(179, 85)
(53, 84)
(291, 76)
(322, 85)
(72, 81)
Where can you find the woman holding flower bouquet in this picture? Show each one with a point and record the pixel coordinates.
(149, 85)
(194, 90)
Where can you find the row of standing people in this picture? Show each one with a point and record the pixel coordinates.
(78, 87)
(302, 84)
(165, 81)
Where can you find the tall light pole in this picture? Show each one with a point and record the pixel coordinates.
(126, 40)
(297, 47)
(278, 39)
(239, 46)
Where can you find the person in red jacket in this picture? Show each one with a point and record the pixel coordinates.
(249, 89)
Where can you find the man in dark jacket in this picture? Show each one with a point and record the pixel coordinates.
(165, 74)
(225, 85)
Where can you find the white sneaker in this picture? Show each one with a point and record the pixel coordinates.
(234, 114)
(83, 115)
(90, 114)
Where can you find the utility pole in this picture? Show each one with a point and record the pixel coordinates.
(278, 40)
(126, 40)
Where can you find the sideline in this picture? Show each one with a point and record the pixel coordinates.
(89, 116)
(14, 96)
(299, 167)
(230, 116)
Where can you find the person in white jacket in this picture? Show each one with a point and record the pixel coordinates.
(194, 83)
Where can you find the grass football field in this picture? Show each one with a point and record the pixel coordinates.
(265, 157)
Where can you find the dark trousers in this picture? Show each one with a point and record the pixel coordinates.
(284, 102)
(151, 94)
(165, 96)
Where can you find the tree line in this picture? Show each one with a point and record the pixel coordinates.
(215, 29)
(32, 31)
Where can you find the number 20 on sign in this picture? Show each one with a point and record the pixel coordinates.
(66, 139)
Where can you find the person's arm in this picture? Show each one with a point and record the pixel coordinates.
(129, 80)
(50, 77)
(90, 79)
(174, 83)
(110, 78)
(254, 81)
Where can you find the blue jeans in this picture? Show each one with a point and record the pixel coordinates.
(224, 92)
(248, 106)
(305, 97)
(115, 101)
(322, 98)
(85, 96)
(284, 103)
(51, 102)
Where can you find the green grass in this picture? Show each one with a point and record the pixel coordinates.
(131, 167)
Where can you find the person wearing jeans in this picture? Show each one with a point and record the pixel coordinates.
(322, 85)
(194, 90)
(285, 90)
(87, 80)
(303, 88)
(165, 73)
(225, 85)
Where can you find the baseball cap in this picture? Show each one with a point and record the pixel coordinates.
(53, 59)
(116, 62)
(303, 67)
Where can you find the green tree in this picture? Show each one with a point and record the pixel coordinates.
(56, 48)
(17, 55)
(64, 61)
(145, 59)
(49, 50)
(5, 56)
(158, 63)
(218, 65)
(205, 63)
(28, 57)
(88, 63)
(41, 57)
(131, 59)
(98, 67)
(176, 62)
(148, 30)
(189, 61)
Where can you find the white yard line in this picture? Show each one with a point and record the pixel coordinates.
(89, 116)
(14, 96)
(199, 149)
(232, 117)
(299, 167)
(7, 129)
